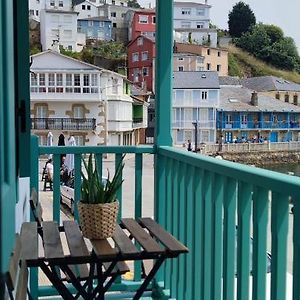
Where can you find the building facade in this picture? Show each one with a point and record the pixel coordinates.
(141, 22)
(141, 53)
(214, 59)
(195, 101)
(58, 24)
(74, 98)
(276, 87)
(97, 28)
(246, 116)
(191, 23)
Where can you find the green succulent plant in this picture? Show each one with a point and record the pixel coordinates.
(93, 190)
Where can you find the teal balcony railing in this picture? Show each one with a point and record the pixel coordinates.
(214, 207)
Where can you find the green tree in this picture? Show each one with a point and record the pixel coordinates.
(133, 3)
(240, 19)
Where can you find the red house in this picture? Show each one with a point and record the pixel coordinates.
(143, 23)
(141, 52)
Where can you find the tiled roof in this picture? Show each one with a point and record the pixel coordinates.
(229, 80)
(238, 99)
(196, 80)
(95, 19)
(270, 83)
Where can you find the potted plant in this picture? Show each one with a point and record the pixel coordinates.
(98, 208)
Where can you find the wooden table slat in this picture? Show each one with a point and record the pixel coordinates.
(29, 241)
(103, 249)
(52, 242)
(75, 240)
(141, 236)
(124, 244)
(163, 236)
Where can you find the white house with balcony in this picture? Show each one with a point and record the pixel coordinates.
(75, 98)
(191, 23)
(195, 100)
(59, 26)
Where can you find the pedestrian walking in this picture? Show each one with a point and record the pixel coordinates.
(189, 145)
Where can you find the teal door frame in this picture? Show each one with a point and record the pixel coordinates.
(8, 190)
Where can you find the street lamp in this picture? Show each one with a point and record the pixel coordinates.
(196, 134)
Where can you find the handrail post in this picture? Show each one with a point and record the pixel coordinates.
(163, 102)
(34, 183)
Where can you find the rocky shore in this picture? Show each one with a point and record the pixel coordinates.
(263, 158)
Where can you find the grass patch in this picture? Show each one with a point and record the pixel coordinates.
(243, 64)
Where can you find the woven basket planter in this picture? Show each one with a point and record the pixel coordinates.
(98, 221)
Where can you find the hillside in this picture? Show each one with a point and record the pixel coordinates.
(243, 64)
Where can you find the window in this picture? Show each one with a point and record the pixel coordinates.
(186, 11)
(33, 83)
(295, 99)
(204, 95)
(218, 68)
(180, 58)
(286, 98)
(208, 51)
(135, 57)
(114, 25)
(196, 95)
(140, 41)
(277, 96)
(52, 3)
(180, 95)
(83, 7)
(55, 19)
(113, 14)
(123, 15)
(145, 71)
(61, 3)
(77, 83)
(36, 12)
(114, 86)
(200, 25)
(69, 88)
(153, 20)
(67, 34)
(86, 83)
(208, 67)
(185, 24)
(59, 83)
(200, 12)
(219, 53)
(41, 111)
(42, 83)
(113, 2)
(31, 12)
(122, 3)
(94, 83)
(51, 83)
(78, 111)
(88, 7)
(143, 19)
(180, 69)
(68, 19)
(70, 48)
(145, 55)
(244, 119)
(79, 140)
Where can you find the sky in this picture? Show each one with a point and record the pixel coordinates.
(277, 12)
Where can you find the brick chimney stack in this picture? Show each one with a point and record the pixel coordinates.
(254, 99)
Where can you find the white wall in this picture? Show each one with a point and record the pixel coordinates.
(85, 13)
(59, 26)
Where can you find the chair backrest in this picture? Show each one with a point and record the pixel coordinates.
(17, 276)
(36, 207)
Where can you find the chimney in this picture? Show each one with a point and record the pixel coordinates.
(254, 99)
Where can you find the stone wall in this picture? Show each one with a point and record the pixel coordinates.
(263, 158)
